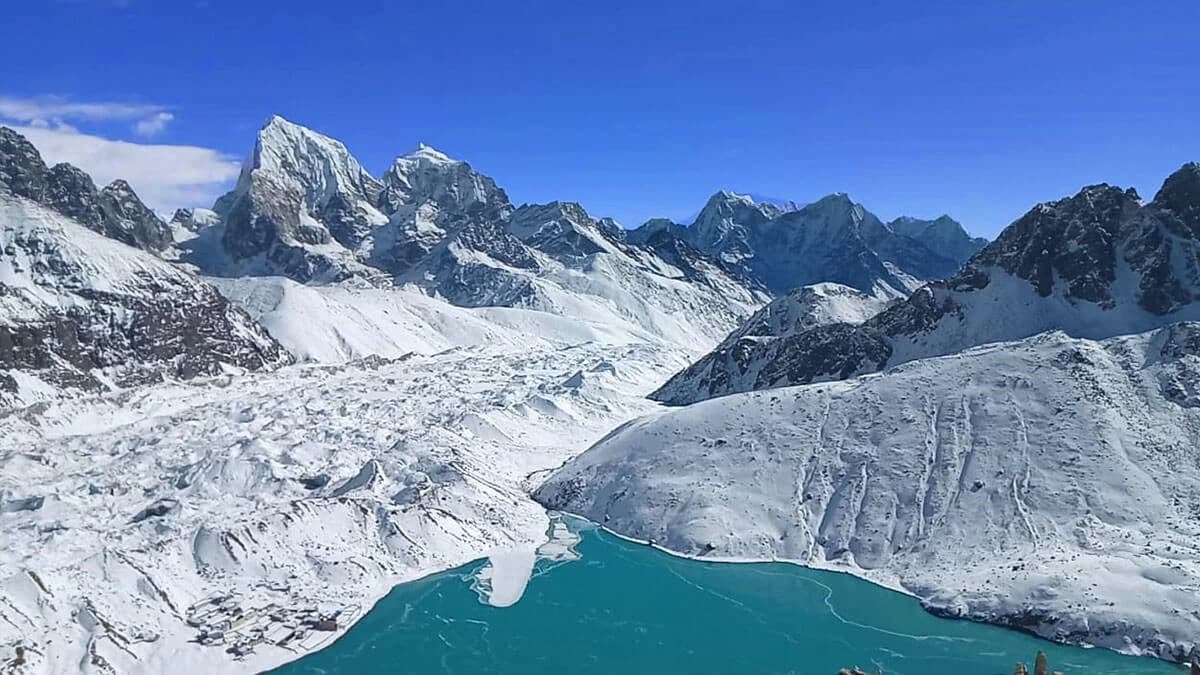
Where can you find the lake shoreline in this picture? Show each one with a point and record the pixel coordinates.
(413, 630)
(890, 584)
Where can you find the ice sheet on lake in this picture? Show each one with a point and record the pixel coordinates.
(502, 580)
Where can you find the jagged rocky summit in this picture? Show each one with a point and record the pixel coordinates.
(114, 211)
(831, 240)
(306, 209)
(1098, 264)
(86, 303)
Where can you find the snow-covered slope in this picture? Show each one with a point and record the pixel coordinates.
(1051, 484)
(80, 311)
(1095, 265)
(830, 240)
(735, 363)
(341, 323)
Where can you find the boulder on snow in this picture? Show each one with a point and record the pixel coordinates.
(315, 482)
(22, 504)
(363, 479)
(158, 509)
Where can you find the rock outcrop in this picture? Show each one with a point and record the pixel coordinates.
(116, 211)
(85, 302)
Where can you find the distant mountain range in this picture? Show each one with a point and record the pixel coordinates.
(1007, 430)
(304, 208)
(831, 240)
(1098, 264)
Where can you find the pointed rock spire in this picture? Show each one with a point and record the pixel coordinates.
(1179, 199)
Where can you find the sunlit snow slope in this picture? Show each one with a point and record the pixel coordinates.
(1051, 484)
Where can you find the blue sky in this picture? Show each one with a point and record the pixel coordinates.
(634, 109)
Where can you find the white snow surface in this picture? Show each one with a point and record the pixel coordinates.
(340, 323)
(1051, 483)
(237, 510)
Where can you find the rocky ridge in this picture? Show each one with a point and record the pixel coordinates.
(86, 304)
(1097, 264)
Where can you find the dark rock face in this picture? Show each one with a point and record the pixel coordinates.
(127, 219)
(298, 190)
(655, 228)
(268, 214)
(22, 170)
(63, 188)
(86, 311)
(158, 509)
(1071, 242)
(1178, 201)
(115, 212)
(72, 193)
(468, 282)
(170, 326)
(491, 237)
(674, 250)
(561, 229)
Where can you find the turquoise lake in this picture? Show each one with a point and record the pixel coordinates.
(627, 608)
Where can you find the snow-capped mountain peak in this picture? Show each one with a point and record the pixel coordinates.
(562, 229)
(300, 207)
(942, 234)
(321, 165)
(428, 175)
(430, 154)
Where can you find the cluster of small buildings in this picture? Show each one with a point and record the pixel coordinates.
(222, 620)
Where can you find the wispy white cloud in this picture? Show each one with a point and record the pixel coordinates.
(153, 125)
(148, 119)
(164, 176)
